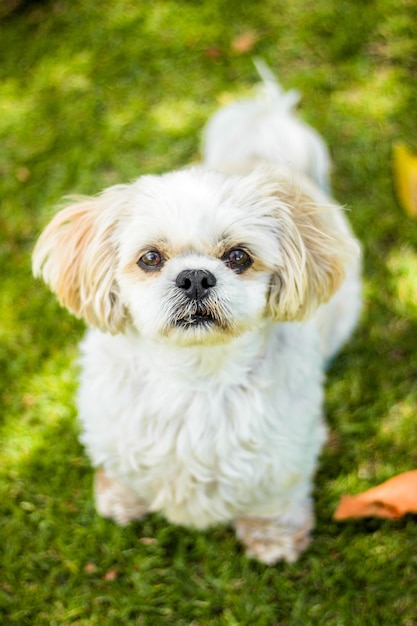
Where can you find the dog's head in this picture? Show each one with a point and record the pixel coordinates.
(195, 256)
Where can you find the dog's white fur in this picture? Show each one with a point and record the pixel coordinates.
(217, 421)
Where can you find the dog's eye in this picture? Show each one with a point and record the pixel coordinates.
(237, 259)
(151, 260)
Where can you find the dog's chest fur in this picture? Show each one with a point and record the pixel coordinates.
(229, 425)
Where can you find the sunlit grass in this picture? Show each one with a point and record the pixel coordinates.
(360, 99)
(402, 264)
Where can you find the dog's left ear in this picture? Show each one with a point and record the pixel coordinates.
(316, 245)
(76, 256)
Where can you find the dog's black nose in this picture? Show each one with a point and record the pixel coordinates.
(195, 283)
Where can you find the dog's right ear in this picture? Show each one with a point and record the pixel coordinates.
(76, 256)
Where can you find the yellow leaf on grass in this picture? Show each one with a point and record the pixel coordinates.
(405, 178)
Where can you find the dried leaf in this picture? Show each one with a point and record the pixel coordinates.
(22, 174)
(148, 541)
(90, 568)
(112, 574)
(392, 499)
(245, 42)
(213, 53)
(405, 178)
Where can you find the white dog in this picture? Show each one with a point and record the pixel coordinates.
(216, 295)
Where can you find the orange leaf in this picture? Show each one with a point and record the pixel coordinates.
(213, 53)
(405, 178)
(244, 42)
(90, 568)
(112, 574)
(391, 499)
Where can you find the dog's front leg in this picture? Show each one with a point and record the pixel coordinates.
(116, 501)
(271, 539)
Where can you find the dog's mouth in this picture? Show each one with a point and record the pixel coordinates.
(196, 318)
(198, 314)
(200, 318)
(197, 322)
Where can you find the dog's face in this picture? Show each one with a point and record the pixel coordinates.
(194, 260)
(194, 257)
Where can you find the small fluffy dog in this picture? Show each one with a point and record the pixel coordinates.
(216, 295)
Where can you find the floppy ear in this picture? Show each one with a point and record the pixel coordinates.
(316, 245)
(76, 256)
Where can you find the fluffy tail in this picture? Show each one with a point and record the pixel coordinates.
(266, 128)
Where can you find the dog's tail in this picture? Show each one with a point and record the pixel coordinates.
(265, 128)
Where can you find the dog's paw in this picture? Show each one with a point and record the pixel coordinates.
(270, 541)
(116, 501)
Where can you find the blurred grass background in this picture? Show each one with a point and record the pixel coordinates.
(96, 93)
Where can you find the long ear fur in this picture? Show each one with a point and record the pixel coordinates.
(76, 257)
(316, 245)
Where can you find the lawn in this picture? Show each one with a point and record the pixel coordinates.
(94, 93)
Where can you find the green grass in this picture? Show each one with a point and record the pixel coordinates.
(98, 92)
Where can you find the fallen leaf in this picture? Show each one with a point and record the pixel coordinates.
(112, 574)
(71, 506)
(22, 174)
(213, 53)
(244, 42)
(148, 541)
(392, 499)
(28, 400)
(90, 568)
(405, 178)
